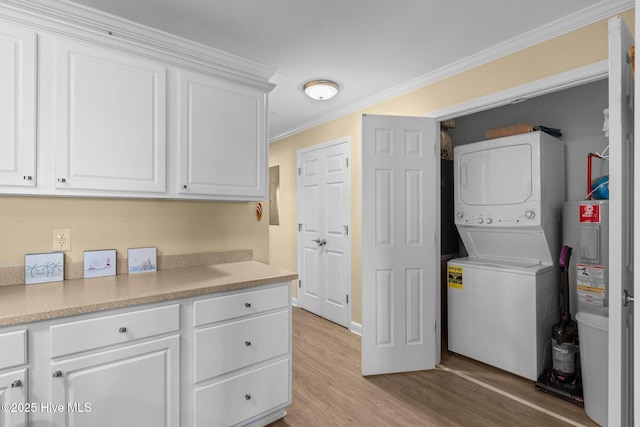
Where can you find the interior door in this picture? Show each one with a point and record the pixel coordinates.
(621, 193)
(324, 243)
(310, 184)
(400, 243)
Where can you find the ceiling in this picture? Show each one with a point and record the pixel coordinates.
(372, 49)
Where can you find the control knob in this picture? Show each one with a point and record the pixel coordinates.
(489, 220)
(460, 214)
(529, 214)
(480, 221)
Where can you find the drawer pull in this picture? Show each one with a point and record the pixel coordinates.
(247, 397)
(247, 343)
(16, 384)
(122, 330)
(247, 304)
(57, 374)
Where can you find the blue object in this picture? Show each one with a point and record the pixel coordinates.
(600, 188)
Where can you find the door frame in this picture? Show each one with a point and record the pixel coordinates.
(566, 80)
(342, 140)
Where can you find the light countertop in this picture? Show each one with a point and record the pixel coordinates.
(30, 303)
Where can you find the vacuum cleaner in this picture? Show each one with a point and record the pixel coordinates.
(563, 378)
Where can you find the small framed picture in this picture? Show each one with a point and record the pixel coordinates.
(43, 268)
(142, 260)
(99, 263)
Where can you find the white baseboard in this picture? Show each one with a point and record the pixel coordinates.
(356, 328)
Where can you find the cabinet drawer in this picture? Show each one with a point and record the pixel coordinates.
(73, 337)
(244, 396)
(14, 349)
(224, 348)
(231, 306)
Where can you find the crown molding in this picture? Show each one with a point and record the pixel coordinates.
(590, 15)
(64, 18)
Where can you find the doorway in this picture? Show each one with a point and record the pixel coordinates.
(324, 230)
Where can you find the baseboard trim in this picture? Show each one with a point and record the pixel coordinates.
(356, 328)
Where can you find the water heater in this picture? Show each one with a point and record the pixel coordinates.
(586, 230)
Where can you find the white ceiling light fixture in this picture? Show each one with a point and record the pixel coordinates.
(321, 90)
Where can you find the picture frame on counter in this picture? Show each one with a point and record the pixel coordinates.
(99, 263)
(43, 267)
(142, 260)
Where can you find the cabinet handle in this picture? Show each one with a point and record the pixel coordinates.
(122, 330)
(247, 304)
(62, 180)
(57, 374)
(247, 343)
(27, 178)
(247, 397)
(16, 384)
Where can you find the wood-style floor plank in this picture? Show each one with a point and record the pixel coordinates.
(328, 389)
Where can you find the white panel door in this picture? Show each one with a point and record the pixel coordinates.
(111, 124)
(621, 228)
(324, 243)
(17, 106)
(223, 148)
(400, 243)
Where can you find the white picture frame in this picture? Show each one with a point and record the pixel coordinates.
(99, 263)
(142, 260)
(43, 268)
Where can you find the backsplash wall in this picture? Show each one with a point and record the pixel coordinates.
(173, 226)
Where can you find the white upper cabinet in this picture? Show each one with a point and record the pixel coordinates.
(17, 106)
(111, 120)
(222, 139)
(125, 111)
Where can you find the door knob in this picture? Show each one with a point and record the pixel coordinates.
(626, 298)
(323, 242)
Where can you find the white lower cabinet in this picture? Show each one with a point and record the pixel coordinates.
(242, 369)
(222, 359)
(13, 398)
(13, 379)
(238, 398)
(137, 385)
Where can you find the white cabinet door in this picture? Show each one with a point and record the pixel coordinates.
(17, 106)
(111, 123)
(222, 139)
(13, 398)
(134, 386)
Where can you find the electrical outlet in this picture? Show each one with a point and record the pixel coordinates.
(62, 239)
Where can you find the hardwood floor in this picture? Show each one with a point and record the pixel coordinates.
(328, 389)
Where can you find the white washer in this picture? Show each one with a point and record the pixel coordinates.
(501, 313)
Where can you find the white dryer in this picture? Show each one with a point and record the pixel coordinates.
(504, 297)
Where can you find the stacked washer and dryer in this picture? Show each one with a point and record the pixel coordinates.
(503, 298)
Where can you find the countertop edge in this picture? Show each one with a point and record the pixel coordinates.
(265, 275)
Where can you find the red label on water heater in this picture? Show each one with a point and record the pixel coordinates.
(589, 213)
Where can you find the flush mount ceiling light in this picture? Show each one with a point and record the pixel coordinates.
(321, 89)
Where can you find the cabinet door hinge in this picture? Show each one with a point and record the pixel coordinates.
(299, 227)
(347, 163)
(299, 283)
(347, 298)
(299, 171)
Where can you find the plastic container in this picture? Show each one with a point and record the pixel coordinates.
(593, 332)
